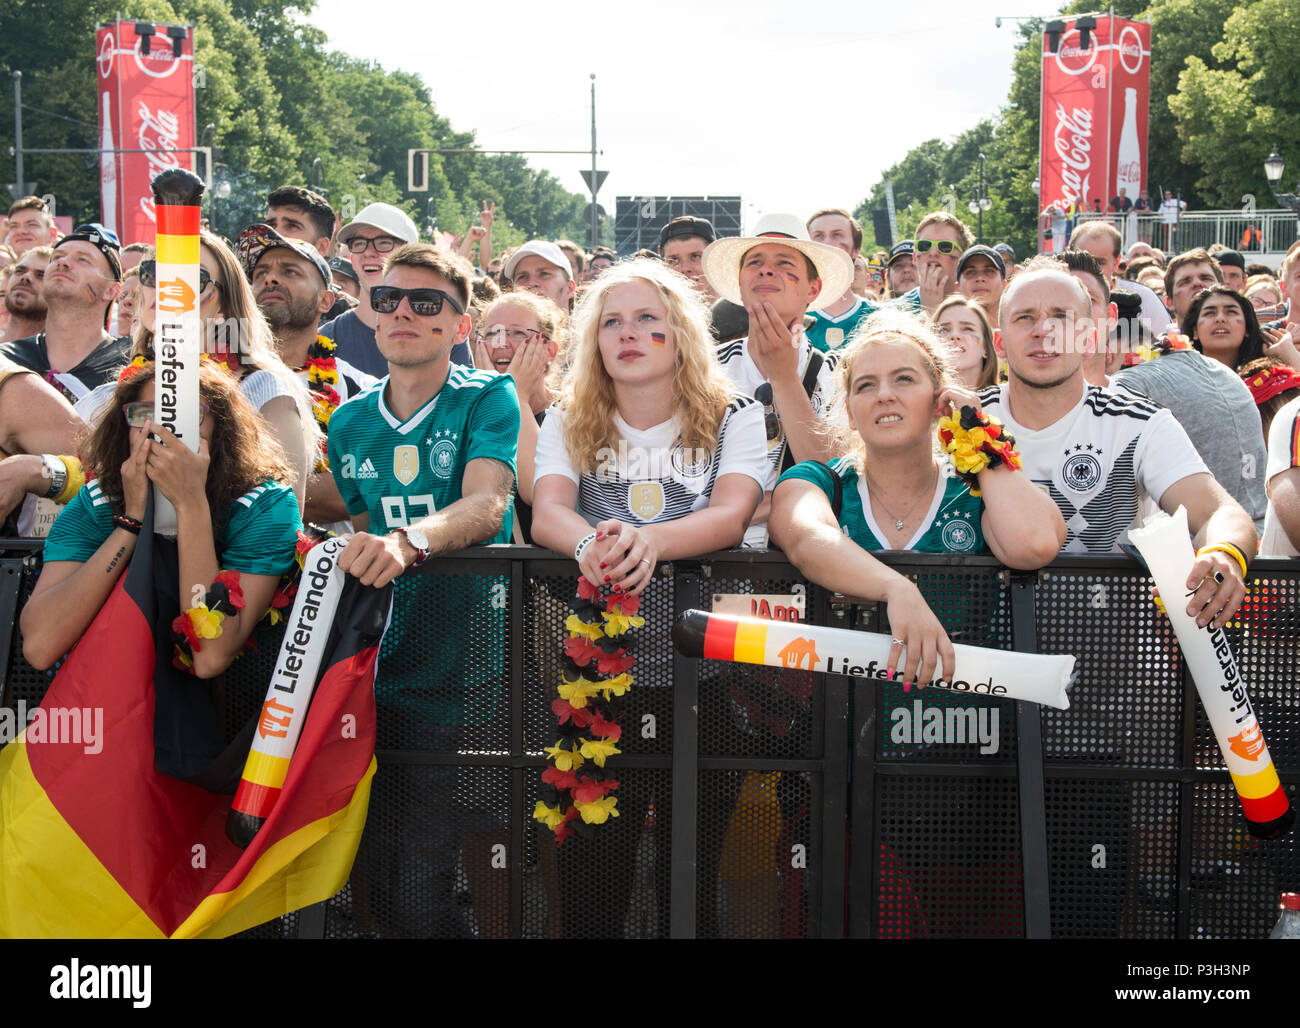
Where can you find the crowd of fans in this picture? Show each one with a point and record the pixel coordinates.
(782, 388)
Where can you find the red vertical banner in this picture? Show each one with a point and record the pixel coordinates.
(1075, 118)
(145, 76)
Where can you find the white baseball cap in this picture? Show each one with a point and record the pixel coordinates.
(386, 218)
(544, 249)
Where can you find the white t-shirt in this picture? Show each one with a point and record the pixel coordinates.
(1170, 209)
(1099, 462)
(746, 377)
(649, 477)
(1283, 454)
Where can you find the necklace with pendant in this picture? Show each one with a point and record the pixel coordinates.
(899, 521)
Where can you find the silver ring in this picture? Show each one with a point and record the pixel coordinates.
(896, 641)
(644, 561)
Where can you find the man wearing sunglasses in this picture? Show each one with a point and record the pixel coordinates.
(941, 239)
(370, 237)
(75, 352)
(425, 459)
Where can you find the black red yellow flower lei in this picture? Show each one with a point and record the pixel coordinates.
(975, 441)
(224, 599)
(597, 662)
(228, 359)
(1170, 342)
(322, 379)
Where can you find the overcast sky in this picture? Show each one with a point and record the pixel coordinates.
(793, 106)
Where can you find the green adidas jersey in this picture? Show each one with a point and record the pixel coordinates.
(826, 333)
(400, 472)
(257, 536)
(953, 525)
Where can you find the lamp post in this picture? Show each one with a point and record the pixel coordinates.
(1274, 168)
(980, 204)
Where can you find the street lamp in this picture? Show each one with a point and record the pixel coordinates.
(1274, 168)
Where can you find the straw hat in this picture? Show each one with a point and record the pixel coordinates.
(722, 259)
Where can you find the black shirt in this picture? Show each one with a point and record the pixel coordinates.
(102, 364)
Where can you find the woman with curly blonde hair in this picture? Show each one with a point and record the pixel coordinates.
(647, 456)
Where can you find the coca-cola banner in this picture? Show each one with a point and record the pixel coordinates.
(1096, 86)
(146, 104)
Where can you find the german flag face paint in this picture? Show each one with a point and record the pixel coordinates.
(178, 329)
(658, 338)
(1165, 546)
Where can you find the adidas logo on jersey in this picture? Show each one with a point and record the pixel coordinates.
(349, 469)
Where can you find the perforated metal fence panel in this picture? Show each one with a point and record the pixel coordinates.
(769, 803)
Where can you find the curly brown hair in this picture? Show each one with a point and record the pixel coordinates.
(240, 456)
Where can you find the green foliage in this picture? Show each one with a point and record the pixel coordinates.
(283, 109)
(1225, 90)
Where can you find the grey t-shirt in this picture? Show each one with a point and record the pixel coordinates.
(1218, 414)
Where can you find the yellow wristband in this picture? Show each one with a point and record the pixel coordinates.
(75, 480)
(1230, 549)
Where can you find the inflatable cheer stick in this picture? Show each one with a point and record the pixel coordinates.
(289, 695)
(1165, 546)
(1037, 677)
(178, 328)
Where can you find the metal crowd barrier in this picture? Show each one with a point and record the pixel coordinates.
(758, 802)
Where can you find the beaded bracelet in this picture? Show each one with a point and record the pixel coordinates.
(975, 441)
(581, 548)
(1231, 549)
(128, 523)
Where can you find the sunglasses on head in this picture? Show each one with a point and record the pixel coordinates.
(944, 246)
(149, 276)
(424, 302)
(142, 411)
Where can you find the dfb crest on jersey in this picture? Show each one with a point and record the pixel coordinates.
(645, 499)
(442, 458)
(1081, 472)
(406, 463)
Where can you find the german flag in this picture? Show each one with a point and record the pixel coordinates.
(106, 845)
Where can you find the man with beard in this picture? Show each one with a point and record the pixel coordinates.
(291, 282)
(23, 298)
(74, 351)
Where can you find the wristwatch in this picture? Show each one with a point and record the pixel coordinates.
(419, 541)
(57, 473)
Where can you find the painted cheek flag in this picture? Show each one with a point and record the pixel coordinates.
(107, 845)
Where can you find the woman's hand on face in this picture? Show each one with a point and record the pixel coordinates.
(178, 472)
(528, 366)
(135, 478)
(956, 397)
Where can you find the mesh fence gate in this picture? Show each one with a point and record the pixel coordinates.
(758, 802)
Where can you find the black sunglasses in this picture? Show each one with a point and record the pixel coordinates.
(425, 302)
(771, 420)
(149, 276)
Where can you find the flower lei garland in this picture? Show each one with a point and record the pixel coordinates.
(597, 661)
(322, 377)
(1170, 342)
(224, 599)
(975, 442)
(228, 359)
